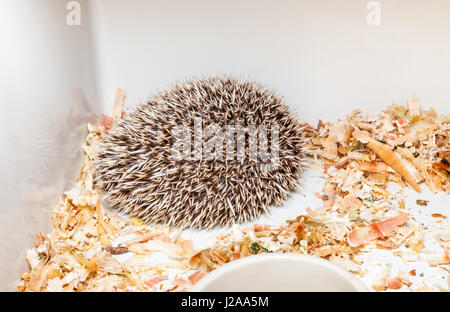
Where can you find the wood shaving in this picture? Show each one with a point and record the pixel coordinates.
(94, 249)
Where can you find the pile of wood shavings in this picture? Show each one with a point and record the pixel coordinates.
(93, 249)
(362, 157)
(401, 144)
(360, 212)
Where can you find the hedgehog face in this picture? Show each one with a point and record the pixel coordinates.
(204, 153)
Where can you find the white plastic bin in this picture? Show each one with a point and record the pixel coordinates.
(323, 56)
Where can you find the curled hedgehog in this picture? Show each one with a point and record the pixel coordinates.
(147, 169)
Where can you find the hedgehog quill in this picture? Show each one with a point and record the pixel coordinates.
(204, 153)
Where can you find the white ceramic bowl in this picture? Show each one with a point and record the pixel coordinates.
(280, 272)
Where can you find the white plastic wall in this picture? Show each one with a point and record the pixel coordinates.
(320, 54)
(47, 93)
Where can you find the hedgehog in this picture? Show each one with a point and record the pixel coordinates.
(155, 164)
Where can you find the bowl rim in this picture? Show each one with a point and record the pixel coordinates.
(355, 281)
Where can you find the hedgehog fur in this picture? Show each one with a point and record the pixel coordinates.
(139, 176)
